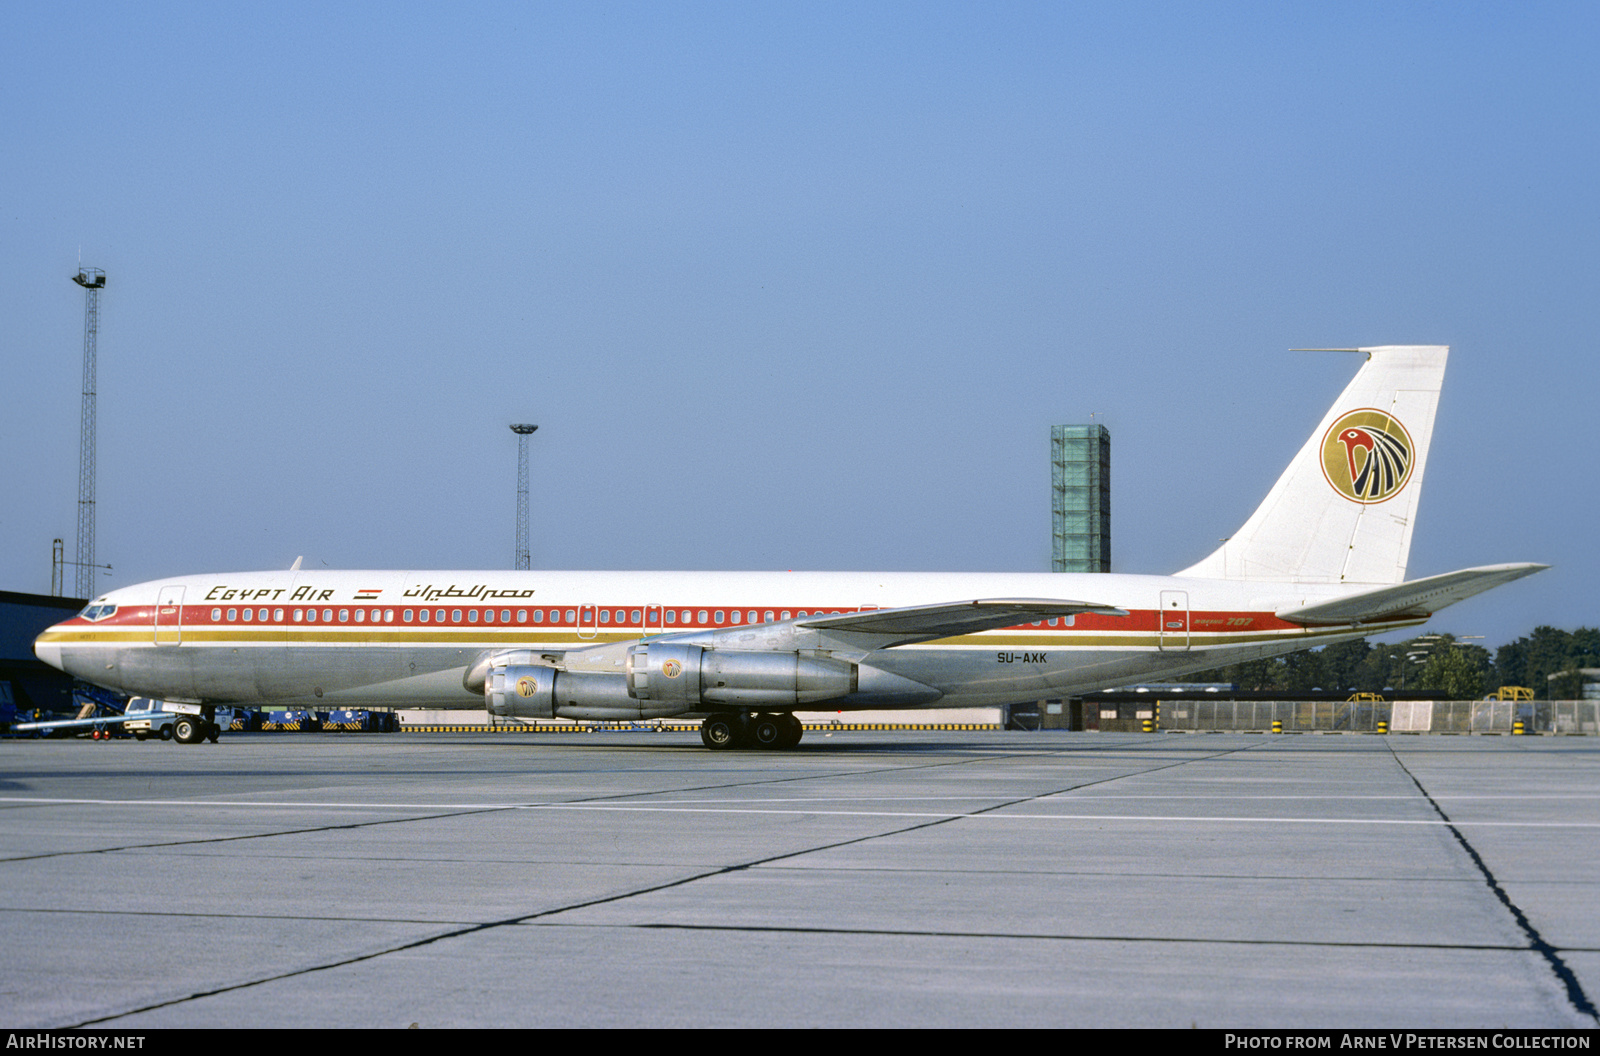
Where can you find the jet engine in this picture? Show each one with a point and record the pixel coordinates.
(668, 678)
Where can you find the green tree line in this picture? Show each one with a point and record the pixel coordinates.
(1547, 662)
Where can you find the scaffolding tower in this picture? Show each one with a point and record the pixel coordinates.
(524, 559)
(1080, 472)
(93, 280)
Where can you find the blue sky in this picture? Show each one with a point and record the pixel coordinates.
(786, 286)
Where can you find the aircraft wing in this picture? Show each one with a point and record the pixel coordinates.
(1421, 597)
(922, 623)
(866, 631)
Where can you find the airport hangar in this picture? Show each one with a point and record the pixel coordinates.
(27, 684)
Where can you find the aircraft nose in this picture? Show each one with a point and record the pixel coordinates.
(47, 651)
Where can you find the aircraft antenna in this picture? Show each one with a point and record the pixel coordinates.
(524, 559)
(93, 280)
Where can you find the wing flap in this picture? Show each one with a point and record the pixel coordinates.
(1421, 597)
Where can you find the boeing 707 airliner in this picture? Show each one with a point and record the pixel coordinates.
(1322, 560)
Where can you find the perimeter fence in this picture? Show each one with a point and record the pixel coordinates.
(1407, 716)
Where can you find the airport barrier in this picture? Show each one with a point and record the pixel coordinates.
(668, 726)
(1272, 715)
(296, 719)
(1406, 716)
(354, 720)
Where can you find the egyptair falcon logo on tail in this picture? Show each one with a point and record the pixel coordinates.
(1367, 456)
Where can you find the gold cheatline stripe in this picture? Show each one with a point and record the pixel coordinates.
(645, 725)
(517, 636)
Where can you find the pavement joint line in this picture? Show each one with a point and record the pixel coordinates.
(587, 903)
(1563, 973)
(453, 810)
(466, 927)
(453, 933)
(456, 810)
(768, 779)
(431, 811)
(204, 840)
(1063, 937)
(441, 811)
(812, 871)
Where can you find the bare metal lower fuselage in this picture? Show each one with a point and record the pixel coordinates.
(431, 677)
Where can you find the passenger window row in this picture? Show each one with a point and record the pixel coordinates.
(605, 617)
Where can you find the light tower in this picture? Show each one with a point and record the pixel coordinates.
(524, 559)
(93, 280)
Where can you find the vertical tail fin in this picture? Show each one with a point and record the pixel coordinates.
(1344, 509)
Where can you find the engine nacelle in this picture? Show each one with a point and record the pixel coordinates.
(534, 691)
(520, 691)
(693, 676)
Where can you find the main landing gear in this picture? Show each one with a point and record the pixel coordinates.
(742, 730)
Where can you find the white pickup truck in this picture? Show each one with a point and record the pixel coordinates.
(144, 717)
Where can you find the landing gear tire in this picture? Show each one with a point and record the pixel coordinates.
(166, 733)
(766, 731)
(793, 730)
(781, 731)
(213, 731)
(723, 731)
(188, 731)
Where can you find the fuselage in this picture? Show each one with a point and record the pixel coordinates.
(405, 639)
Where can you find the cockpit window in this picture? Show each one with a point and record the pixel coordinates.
(99, 611)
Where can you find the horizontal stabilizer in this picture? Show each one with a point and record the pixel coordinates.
(1421, 597)
(921, 623)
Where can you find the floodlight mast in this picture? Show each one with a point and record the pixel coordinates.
(524, 559)
(93, 280)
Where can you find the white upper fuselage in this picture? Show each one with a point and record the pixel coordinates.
(405, 638)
